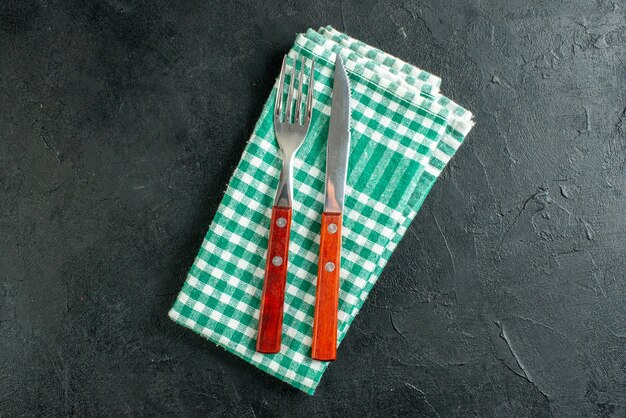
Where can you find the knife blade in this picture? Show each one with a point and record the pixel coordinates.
(324, 345)
(338, 143)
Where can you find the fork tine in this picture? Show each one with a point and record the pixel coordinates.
(292, 83)
(278, 104)
(300, 83)
(309, 99)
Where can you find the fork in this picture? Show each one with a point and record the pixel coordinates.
(290, 133)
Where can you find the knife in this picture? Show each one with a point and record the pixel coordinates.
(324, 346)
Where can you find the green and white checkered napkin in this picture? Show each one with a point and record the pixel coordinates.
(403, 134)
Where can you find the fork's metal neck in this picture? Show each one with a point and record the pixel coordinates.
(285, 188)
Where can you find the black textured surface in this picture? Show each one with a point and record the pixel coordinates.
(120, 123)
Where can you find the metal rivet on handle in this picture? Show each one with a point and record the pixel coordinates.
(277, 260)
(330, 266)
(281, 222)
(332, 228)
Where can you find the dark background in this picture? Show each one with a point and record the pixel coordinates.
(121, 122)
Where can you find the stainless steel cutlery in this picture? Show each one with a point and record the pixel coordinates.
(338, 148)
(290, 132)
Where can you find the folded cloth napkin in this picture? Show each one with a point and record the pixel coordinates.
(403, 134)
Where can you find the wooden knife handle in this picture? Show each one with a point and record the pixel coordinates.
(273, 298)
(327, 293)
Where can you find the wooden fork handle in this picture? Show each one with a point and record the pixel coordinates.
(273, 298)
(324, 345)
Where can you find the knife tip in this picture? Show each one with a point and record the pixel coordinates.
(338, 60)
